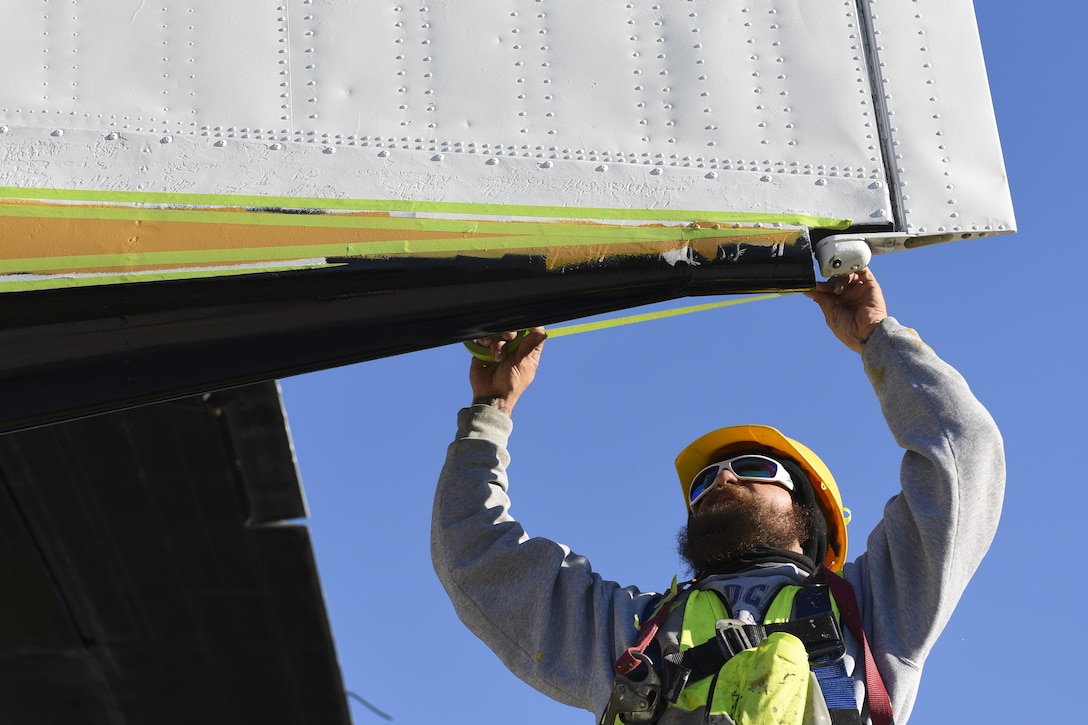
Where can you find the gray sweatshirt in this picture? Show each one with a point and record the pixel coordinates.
(917, 563)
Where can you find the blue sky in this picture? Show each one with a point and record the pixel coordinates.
(596, 435)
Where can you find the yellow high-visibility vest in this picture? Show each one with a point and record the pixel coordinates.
(771, 683)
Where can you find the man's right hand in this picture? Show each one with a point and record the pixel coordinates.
(500, 383)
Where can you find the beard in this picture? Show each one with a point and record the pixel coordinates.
(719, 532)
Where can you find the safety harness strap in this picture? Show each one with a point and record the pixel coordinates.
(813, 623)
(835, 683)
(819, 633)
(631, 657)
(880, 705)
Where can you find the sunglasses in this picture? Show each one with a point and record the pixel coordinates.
(751, 467)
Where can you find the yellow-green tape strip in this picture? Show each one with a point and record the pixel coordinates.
(647, 316)
(484, 353)
(96, 280)
(419, 207)
(373, 230)
(343, 221)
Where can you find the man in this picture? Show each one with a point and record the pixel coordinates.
(764, 513)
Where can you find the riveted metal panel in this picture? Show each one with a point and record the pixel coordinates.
(695, 105)
(945, 156)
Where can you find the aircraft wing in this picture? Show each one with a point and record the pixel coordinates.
(212, 194)
(154, 572)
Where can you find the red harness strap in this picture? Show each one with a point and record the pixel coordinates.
(627, 661)
(880, 705)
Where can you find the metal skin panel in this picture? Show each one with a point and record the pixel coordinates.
(946, 162)
(764, 107)
(693, 105)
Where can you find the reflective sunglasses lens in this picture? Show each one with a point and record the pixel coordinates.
(751, 467)
(703, 481)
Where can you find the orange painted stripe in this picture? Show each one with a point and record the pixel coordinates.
(34, 237)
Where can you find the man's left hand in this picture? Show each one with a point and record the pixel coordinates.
(853, 306)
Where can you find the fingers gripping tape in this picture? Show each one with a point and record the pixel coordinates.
(482, 352)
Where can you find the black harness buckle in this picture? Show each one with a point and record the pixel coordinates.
(635, 701)
(820, 633)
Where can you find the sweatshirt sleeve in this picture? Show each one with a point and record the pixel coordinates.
(549, 617)
(936, 530)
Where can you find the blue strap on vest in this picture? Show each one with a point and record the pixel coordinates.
(837, 686)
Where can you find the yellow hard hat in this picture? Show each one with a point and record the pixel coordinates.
(705, 450)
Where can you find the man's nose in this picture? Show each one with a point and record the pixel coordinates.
(726, 477)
